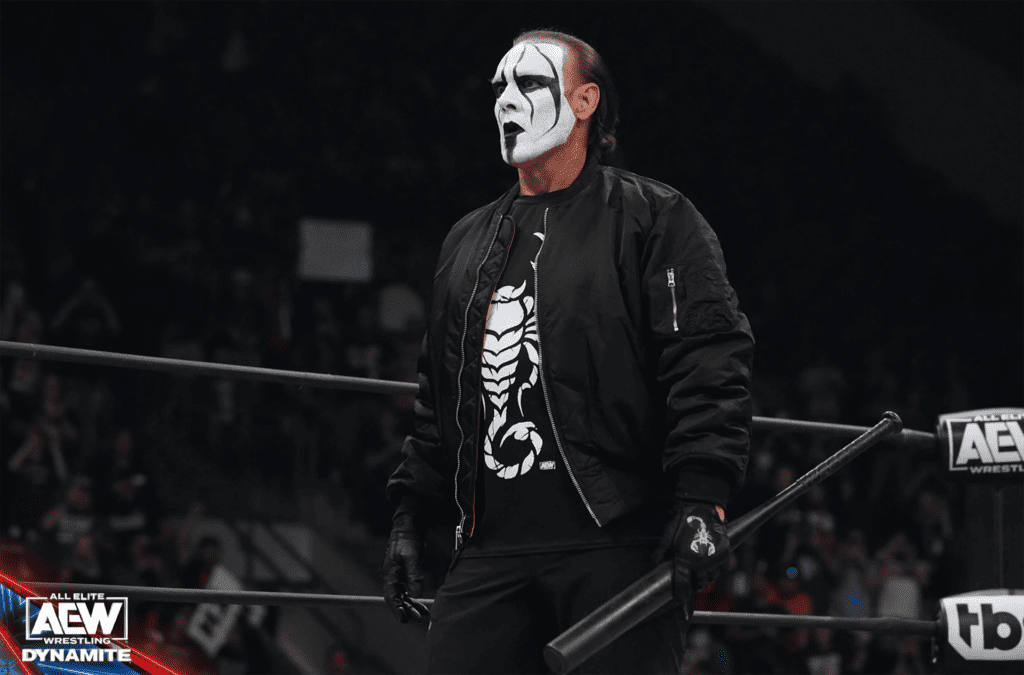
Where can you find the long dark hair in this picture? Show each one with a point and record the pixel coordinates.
(601, 137)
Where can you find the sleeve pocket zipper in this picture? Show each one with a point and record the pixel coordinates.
(672, 289)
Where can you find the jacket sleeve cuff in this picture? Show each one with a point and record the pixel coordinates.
(411, 505)
(700, 484)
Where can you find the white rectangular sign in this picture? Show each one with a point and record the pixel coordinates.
(986, 627)
(335, 250)
(211, 624)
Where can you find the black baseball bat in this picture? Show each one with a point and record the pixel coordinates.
(653, 591)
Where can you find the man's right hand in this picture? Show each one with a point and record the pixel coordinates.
(400, 570)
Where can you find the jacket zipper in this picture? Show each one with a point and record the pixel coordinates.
(540, 366)
(511, 239)
(672, 285)
(458, 400)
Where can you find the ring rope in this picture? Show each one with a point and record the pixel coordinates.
(906, 437)
(367, 385)
(185, 367)
(197, 595)
(206, 595)
(921, 439)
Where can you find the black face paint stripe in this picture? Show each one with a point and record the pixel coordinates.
(553, 88)
(515, 76)
(521, 57)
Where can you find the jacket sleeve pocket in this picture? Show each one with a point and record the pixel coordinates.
(687, 301)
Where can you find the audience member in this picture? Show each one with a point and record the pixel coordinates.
(327, 338)
(364, 351)
(813, 567)
(83, 564)
(96, 406)
(56, 425)
(780, 592)
(26, 376)
(245, 652)
(823, 387)
(40, 469)
(72, 529)
(338, 662)
(179, 652)
(13, 309)
(880, 388)
(196, 572)
(87, 320)
(401, 310)
(706, 654)
(851, 596)
(823, 658)
(128, 501)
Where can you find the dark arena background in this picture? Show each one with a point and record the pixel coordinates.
(170, 172)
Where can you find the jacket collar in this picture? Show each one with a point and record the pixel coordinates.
(504, 203)
(557, 196)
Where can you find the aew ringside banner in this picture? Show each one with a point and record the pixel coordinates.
(984, 444)
(85, 633)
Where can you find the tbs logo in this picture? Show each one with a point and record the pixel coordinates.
(77, 615)
(985, 627)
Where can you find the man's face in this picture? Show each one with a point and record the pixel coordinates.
(532, 110)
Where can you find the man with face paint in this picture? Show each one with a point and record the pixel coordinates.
(535, 119)
(583, 410)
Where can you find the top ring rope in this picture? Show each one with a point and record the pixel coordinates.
(183, 367)
(906, 437)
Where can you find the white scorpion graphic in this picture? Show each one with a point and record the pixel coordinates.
(511, 327)
(703, 537)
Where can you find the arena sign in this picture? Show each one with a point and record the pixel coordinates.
(983, 444)
(985, 625)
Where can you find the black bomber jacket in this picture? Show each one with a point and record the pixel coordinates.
(645, 357)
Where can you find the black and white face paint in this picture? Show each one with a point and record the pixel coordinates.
(531, 108)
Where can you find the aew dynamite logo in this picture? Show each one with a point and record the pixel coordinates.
(88, 621)
(984, 443)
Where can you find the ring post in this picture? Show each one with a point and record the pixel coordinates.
(653, 591)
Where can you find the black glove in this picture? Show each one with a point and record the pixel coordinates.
(400, 570)
(697, 538)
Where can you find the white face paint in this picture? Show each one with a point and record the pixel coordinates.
(530, 90)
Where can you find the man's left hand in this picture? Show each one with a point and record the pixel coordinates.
(697, 538)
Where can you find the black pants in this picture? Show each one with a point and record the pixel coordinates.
(494, 615)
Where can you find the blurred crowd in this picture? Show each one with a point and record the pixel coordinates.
(91, 495)
(208, 134)
(100, 485)
(875, 540)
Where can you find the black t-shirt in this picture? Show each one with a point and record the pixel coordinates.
(526, 499)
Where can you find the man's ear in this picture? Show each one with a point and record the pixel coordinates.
(584, 100)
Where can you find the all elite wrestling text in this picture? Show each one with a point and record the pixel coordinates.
(76, 627)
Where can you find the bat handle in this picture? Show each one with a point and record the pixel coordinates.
(653, 591)
(741, 528)
(646, 596)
